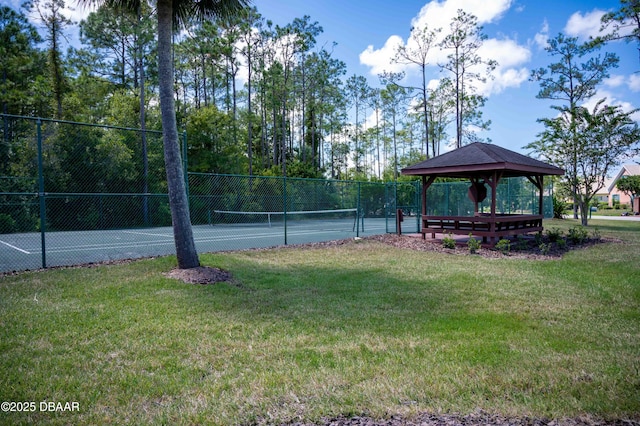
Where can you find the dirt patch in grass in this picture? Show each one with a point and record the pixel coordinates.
(200, 275)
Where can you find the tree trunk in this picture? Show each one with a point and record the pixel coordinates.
(584, 213)
(178, 202)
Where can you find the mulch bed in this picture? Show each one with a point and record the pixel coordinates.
(477, 418)
(527, 248)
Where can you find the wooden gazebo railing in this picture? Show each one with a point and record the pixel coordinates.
(484, 226)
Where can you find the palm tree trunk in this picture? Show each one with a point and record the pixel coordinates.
(178, 202)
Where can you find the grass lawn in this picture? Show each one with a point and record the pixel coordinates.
(348, 329)
(606, 212)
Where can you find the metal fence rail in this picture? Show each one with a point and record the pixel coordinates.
(73, 193)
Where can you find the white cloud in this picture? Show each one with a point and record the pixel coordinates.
(433, 84)
(509, 72)
(438, 14)
(507, 52)
(79, 12)
(504, 79)
(614, 81)
(634, 82)
(373, 119)
(541, 38)
(613, 101)
(584, 26)
(381, 59)
(73, 12)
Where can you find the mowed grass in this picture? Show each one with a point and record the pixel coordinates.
(315, 333)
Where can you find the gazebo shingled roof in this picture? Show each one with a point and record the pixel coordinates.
(479, 159)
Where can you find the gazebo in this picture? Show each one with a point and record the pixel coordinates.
(483, 164)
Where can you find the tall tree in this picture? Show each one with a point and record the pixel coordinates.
(357, 89)
(178, 12)
(464, 40)
(109, 33)
(375, 101)
(572, 82)
(630, 185)
(250, 41)
(604, 137)
(622, 24)
(393, 98)
(55, 22)
(322, 76)
(20, 61)
(441, 106)
(416, 52)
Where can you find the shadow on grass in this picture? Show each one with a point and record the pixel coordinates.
(356, 300)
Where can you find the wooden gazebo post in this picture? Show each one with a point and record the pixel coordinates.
(538, 182)
(425, 185)
(493, 183)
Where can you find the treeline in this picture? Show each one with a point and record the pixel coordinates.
(255, 98)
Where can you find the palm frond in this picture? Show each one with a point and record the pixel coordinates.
(184, 10)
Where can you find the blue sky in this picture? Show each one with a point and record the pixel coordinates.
(366, 31)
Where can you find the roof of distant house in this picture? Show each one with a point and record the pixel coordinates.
(625, 170)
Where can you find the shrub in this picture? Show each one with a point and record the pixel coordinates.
(595, 234)
(522, 243)
(554, 234)
(504, 246)
(577, 234)
(544, 248)
(448, 242)
(562, 243)
(558, 207)
(538, 238)
(473, 244)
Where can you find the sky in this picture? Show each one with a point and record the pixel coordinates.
(365, 33)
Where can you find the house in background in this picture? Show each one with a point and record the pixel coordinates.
(611, 195)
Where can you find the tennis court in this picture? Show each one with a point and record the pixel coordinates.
(24, 251)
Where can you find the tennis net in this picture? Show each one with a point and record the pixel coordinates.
(336, 219)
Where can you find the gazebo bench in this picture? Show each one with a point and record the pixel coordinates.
(481, 225)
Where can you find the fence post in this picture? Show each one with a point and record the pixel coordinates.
(417, 202)
(284, 206)
(41, 195)
(185, 163)
(145, 178)
(358, 212)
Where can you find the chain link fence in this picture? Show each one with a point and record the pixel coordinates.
(514, 196)
(73, 193)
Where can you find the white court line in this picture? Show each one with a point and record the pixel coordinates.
(148, 233)
(131, 245)
(14, 247)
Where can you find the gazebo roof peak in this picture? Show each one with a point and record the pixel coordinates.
(478, 159)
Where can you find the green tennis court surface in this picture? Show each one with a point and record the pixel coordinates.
(24, 251)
